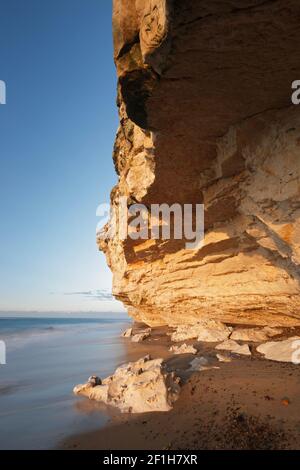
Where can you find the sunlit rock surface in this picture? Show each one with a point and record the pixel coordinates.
(255, 335)
(183, 349)
(204, 97)
(234, 347)
(136, 387)
(282, 351)
(204, 330)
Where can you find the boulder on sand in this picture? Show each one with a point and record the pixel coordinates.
(223, 358)
(183, 349)
(234, 347)
(287, 350)
(137, 387)
(204, 330)
(127, 333)
(141, 335)
(255, 335)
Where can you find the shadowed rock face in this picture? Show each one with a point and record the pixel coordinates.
(204, 96)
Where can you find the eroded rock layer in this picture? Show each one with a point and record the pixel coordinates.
(204, 97)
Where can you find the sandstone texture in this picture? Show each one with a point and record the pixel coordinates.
(282, 351)
(204, 99)
(204, 330)
(255, 335)
(136, 387)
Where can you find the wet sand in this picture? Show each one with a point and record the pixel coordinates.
(45, 357)
(249, 403)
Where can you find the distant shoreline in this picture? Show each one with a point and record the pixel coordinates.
(61, 314)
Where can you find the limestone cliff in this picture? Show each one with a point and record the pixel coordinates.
(204, 97)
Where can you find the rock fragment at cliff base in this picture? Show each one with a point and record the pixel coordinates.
(127, 333)
(287, 350)
(204, 330)
(234, 347)
(141, 336)
(223, 358)
(183, 349)
(137, 387)
(255, 335)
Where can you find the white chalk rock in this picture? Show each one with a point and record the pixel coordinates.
(223, 358)
(287, 350)
(137, 387)
(82, 388)
(127, 333)
(234, 347)
(183, 349)
(141, 336)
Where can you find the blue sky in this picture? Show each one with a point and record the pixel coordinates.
(57, 131)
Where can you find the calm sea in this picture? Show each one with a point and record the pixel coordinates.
(45, 358)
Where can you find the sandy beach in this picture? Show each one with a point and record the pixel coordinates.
(249, 403)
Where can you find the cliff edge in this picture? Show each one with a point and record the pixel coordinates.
(204, 98)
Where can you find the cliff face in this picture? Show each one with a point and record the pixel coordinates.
(204, 96)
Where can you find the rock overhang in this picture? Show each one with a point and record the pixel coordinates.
(204, 98)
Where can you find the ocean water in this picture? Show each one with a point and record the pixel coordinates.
(45, 358)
